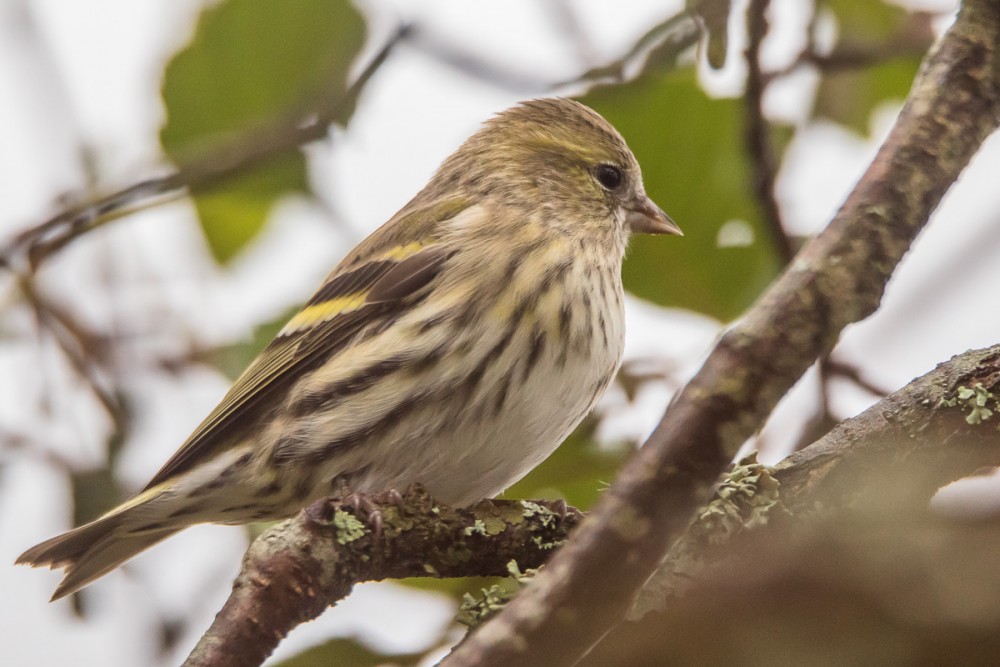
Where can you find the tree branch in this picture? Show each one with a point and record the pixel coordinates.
(663, 44)
(844, 524)
(297, 569)
(886, 462)
(216, 164)
(856, 589)
(837, 279)
(758, 139)
(924, 434)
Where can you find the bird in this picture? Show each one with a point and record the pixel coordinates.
(455, 347)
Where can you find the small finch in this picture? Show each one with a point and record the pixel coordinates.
(455, 347)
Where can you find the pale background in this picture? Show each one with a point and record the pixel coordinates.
(87, 73)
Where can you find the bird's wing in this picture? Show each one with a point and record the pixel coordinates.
(385, 278)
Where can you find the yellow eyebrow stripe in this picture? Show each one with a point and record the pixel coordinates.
(323, 311)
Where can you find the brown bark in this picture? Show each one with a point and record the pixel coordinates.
(297, 569)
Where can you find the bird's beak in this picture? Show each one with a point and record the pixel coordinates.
(644, 217)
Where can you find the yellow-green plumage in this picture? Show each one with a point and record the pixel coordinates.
(455, 347)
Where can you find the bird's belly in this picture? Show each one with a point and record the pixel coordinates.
(479, 440)
(533, 423)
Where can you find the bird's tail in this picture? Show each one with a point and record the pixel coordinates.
(96, 548)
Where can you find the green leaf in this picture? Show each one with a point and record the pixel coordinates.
(454, 587)
(714, 16)
(250, 61)
(348, 653)
(249, 64)
(849, 95)
(691, 151)
(94, 493)
(865, 21)
(233, 213)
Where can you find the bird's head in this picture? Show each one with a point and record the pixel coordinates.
(559, 157)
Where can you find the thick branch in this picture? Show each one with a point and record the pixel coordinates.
(886, 463)
(855, 590)
(847, 528)
(297, 569)
(899, 452)
(837, 279)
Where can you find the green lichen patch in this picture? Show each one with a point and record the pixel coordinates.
(348, 527)
(546, 545)
(493, 525)
(474, 611)
(478, 528)
(455, 554)
(743, 500)
(543, 514)
(979, 402)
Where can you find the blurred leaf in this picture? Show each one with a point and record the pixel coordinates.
(250, 63)
(781, 136)
(714, 16)
(96, 490)
(865, 21)
(348, 653)
(890, 36)
(453, 587)
(848, 97)
(233, 213)
(694, 167)
(94, 493)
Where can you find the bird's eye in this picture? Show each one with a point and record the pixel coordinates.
(609, 176)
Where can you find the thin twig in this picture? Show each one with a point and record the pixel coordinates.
(758, 133)
(215, 164)
(461, 60)
(663, 43)
(850, 372)
(912, 39)
(80, 347)
(824, 420)
(565, 18)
